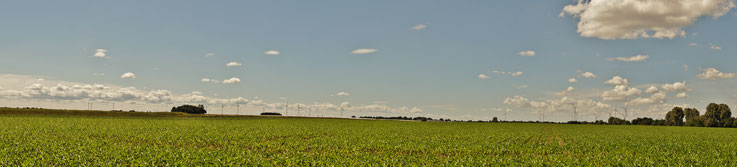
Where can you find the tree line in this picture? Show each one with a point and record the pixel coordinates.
(716, 115)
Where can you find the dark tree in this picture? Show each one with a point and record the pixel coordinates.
(724, 112)
(271, 113)
(190, 109)
(617, 121)
(643, 121)
(691, 117)
(494, 120)
(675, 117)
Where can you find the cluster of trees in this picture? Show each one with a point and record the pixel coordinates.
(190, 109)
(716, 115)
(271, 113)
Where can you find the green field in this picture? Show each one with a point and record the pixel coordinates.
(105, 139)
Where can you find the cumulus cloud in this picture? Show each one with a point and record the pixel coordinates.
(676, 86)
(232, 80)
(572, 80)
(653, 99)
(629, 59)
(651, 89)
(527, 53)
(713, 74)
(209, 80)
(128, 75)
(620, 93)
(232, 64)
(588, 75)
(209, 54)
(482, 76)
(272, 52)
(682, 95)
(419, 27)
(685, 67)
(342, 94)
(101, 53)
(617, 80)
(632, 19)
(565, 92)
(363, 51)
(714, 47)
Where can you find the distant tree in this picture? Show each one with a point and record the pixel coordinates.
(691, 116)
(494, 120)
(660, 122)
(728, 122)
(724, 114)
(643, 121)
(617, 121)
(271, 113)
(190, 109)
(715, 113)
(675, 117)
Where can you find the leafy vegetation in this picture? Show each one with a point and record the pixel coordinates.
(177, 139)
(190, 109)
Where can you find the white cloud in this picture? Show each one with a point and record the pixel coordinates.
(209, 54)
(570, 88)
(651, 89)
(514, 74)
(101, 53)
(527, 53)
(714, 47)
(342, 94)
(653, 99)
(231, 64)
(588, 75)
(676, 86)
(232, 80)
(619, 93)
(629, 59)
(482, 76)
(692, 44)
(128, 75)
(209, 80)
(713, 74)
(363, 51)
(272, 52)
(419, 27)
(685, 67)
(572, 80)
(617, 80)
(632, 19)
(682, 95)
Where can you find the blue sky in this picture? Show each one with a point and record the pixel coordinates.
(427, 60)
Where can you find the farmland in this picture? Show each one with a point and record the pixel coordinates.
(43, 138)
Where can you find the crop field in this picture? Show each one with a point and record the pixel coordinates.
(170, 139)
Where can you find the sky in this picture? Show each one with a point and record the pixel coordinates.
(467, 60)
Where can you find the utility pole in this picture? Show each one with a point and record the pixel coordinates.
(341, 112)
(298, 114)
(238, 109)
(310, 112)
(222, 109)
(286, 109)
